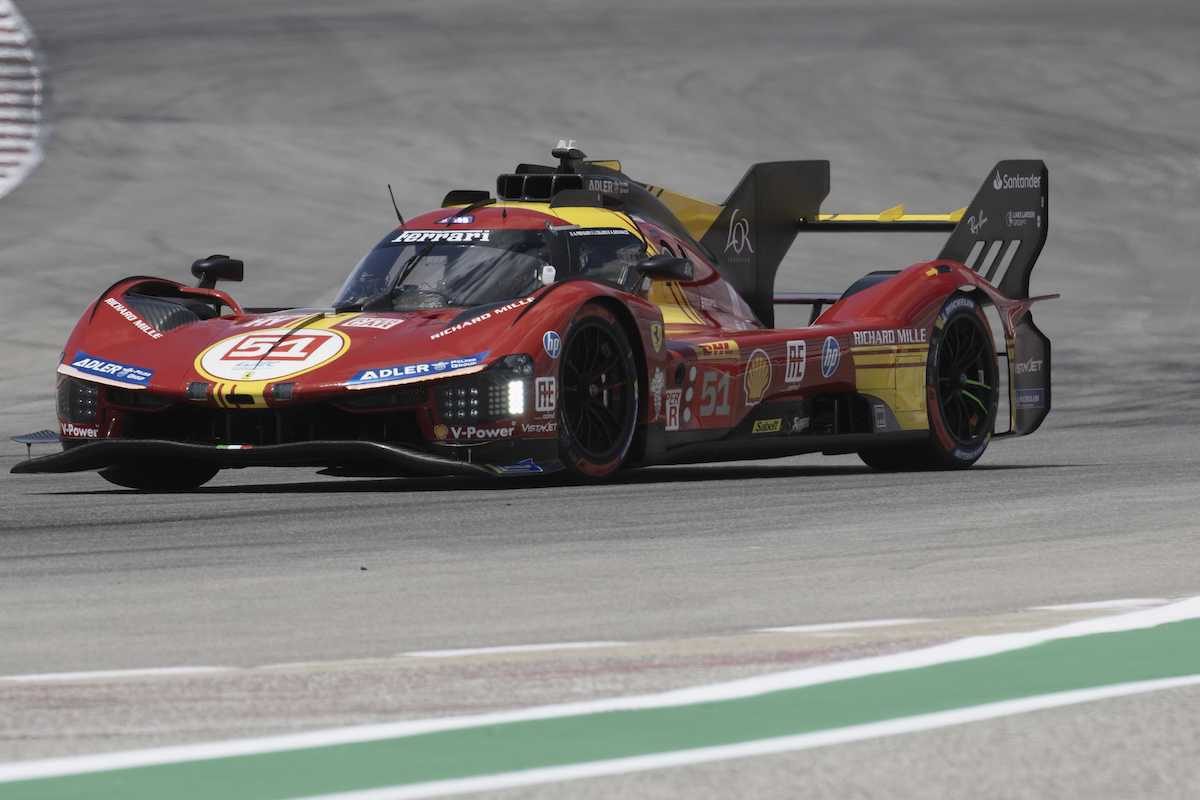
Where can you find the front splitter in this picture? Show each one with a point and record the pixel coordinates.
(393, 459)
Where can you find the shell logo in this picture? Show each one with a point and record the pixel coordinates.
(758, 376)
(440, 432)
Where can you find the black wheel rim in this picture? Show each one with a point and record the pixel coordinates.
(966, 380)
(597, 391)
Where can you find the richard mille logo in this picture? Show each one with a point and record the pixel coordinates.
(738, 238)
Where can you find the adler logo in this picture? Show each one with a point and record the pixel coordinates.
(1004, 182)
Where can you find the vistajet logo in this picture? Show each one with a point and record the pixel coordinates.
(1004, 182)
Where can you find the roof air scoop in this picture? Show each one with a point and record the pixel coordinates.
(569, 156)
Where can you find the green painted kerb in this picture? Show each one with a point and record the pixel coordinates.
(1167, 651)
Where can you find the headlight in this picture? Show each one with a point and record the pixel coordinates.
(77, 400)
(516, 398)
(496, 393)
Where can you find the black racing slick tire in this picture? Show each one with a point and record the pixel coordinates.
(961, 394)
(598, 407)
(156, 476)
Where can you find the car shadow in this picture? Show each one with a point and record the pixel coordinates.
(664, 475)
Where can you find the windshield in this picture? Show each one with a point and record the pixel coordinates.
(447, 268)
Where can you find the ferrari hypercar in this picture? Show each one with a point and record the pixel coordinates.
(576, 321)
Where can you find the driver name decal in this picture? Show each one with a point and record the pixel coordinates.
(270, 354)
(443, 236)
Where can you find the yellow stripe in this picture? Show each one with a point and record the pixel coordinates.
(884, 360)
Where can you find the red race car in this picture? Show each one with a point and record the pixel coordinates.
(578, 321)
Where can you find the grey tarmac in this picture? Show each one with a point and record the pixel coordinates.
(268, 130)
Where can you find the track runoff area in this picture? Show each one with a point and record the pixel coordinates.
(977, 678)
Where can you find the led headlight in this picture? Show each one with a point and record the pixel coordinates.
(516, 398)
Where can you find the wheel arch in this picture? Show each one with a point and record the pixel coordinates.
(638, 346)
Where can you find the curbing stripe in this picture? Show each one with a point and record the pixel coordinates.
(1098, 654)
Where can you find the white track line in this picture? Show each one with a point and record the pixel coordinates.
(760, 747)
(510, 648)
(844, 626)
(106, 674)
(1128, 602)
(963, 649)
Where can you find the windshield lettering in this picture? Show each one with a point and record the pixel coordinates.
(443, 236)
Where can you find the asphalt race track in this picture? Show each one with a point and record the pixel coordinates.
(269, 130)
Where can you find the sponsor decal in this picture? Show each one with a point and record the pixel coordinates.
(464, 220)
(951, 307)
(657, 384)
(673, 400)
(717, 351)
(110, 371)
(880, 417)
(797, 353)
(1031, 398)
(419, 371)
(831, 356)
(767, 425)
(608, 185)
(891, 336)
(440, 432)
(552, 343)
(799, 424)
(539, 427)
(495, 312)
(481, 432)
(271, 354)
(73, 431)
(738, 237)
(379, 323)
(1006, 182)
(656, 336)
(1018, 219)
(1029, 367)
(758, 376)
(442, 236)
(976, 223)
(597, 232)
(545, 394)
(271, 322)
(526, 466)
(134, 319)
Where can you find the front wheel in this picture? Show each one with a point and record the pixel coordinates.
(158, 476)
(961, 394)
(598, 412)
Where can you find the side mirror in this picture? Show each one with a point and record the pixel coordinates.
(665, 265)
(217, 268)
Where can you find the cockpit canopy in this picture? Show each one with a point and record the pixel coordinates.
(415, 269)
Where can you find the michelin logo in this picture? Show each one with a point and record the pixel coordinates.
(111, 371)
(406, 372)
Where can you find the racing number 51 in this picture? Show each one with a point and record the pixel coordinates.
(714, 394)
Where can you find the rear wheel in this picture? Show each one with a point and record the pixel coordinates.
(599, 408)
(961, 394)
(158, 476)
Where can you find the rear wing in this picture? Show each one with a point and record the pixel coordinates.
(999, 235)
